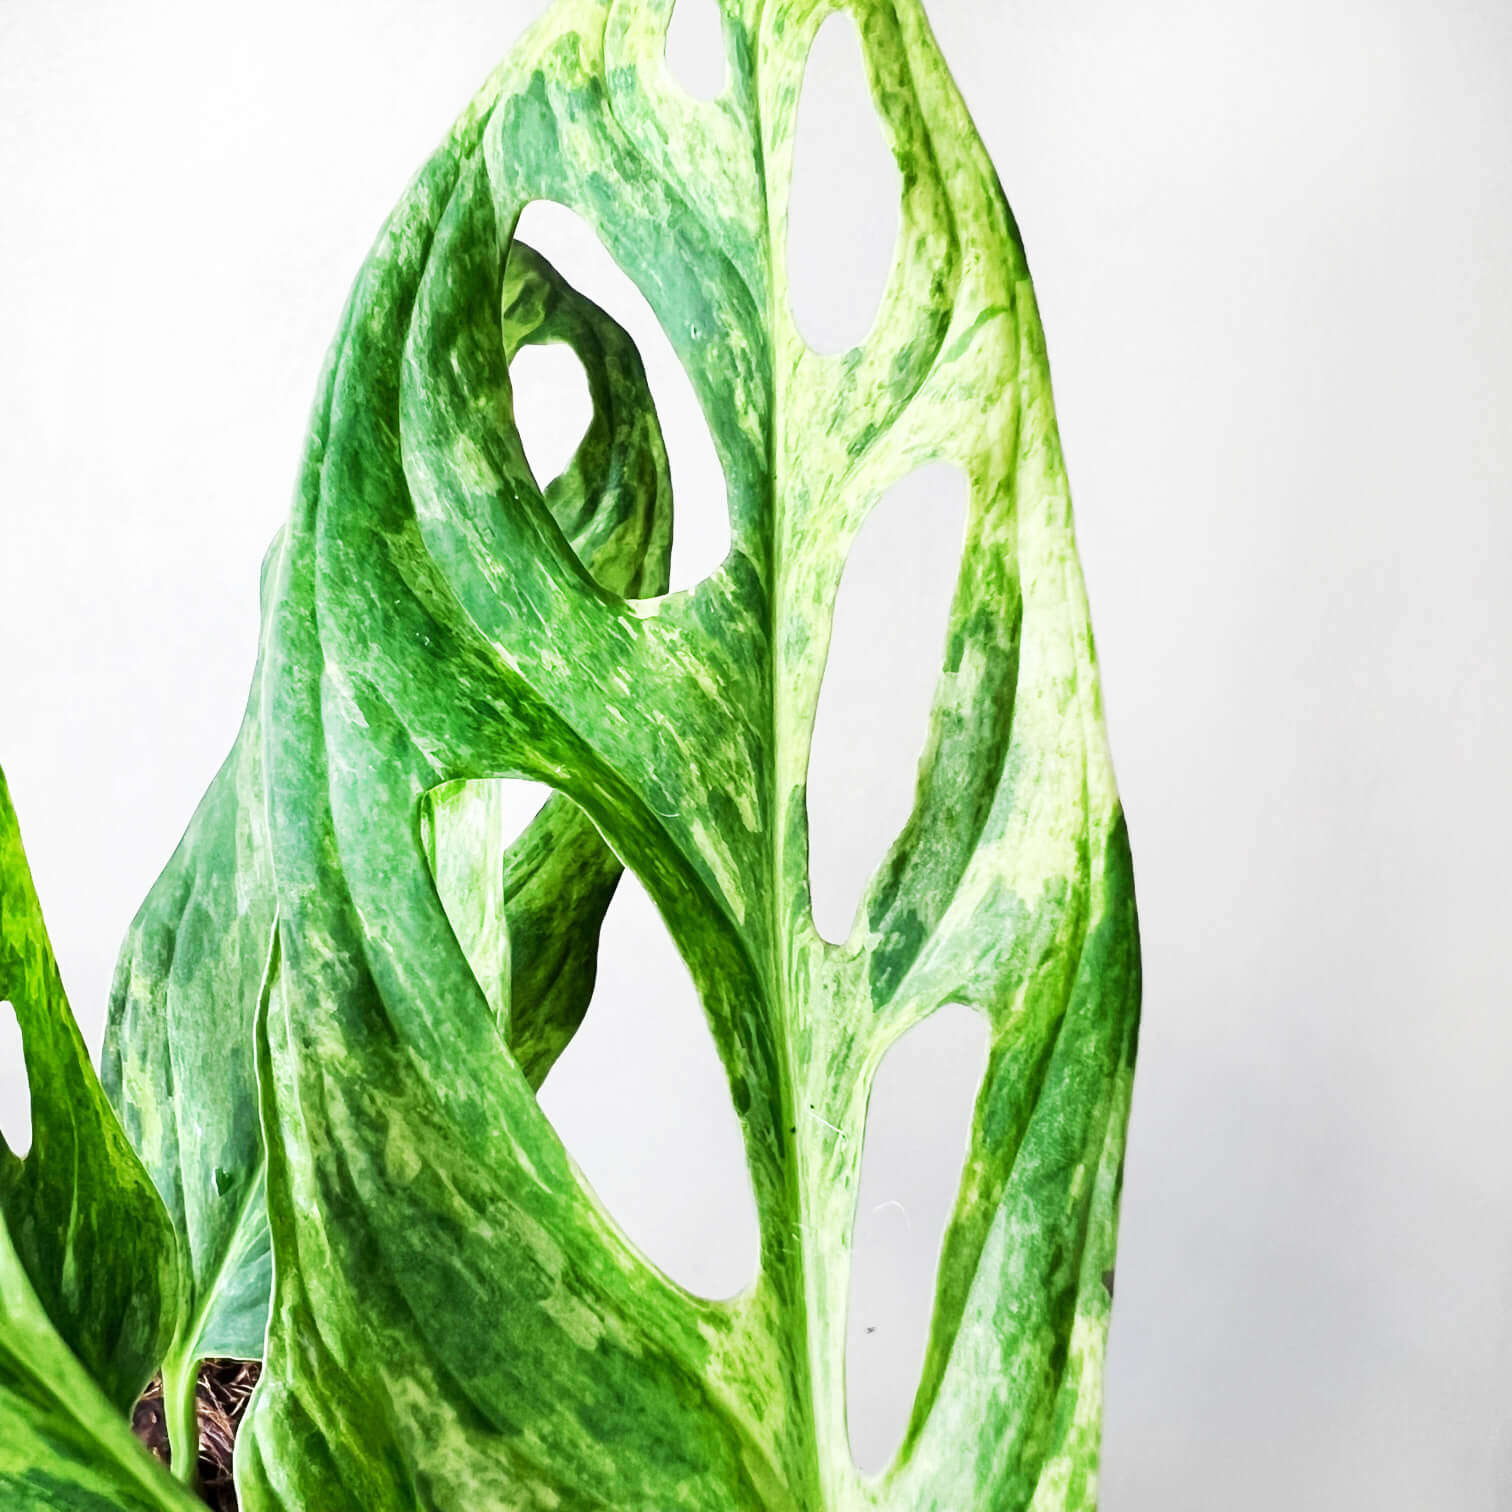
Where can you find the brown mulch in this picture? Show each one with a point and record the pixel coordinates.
(221, 1397)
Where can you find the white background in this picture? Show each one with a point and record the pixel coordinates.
(1270, 243)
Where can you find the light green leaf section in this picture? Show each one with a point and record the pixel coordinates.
(88, 1264)
(177, 1062)
(456, 1321)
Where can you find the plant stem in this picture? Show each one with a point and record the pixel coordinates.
(180, 1382)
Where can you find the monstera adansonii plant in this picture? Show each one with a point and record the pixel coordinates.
(315, 1139)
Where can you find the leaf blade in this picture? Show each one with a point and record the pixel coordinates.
(680, 728)
(89, 1269)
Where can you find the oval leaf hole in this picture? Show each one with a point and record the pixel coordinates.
(844, 208)
(641, 1099)
(917, 1129)
(886, 649)
(695, 48)
(701, 517)
(15, 1089)
(552, 406)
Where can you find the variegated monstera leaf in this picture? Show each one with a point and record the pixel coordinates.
(334, 1010)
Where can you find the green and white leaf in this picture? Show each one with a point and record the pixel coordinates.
(334, 1010)
(456, 1321)
(88, 1264)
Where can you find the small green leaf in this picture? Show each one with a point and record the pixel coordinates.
(87, 1227)
(88, 1264)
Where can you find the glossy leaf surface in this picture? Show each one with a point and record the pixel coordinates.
(334, 1011)
(456, 1320)
(88, 1264)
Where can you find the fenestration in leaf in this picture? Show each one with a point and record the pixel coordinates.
(348, 963)
(456, 1321)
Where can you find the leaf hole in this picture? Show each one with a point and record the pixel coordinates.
(917, 1131)
(552, 406)
(641, 1099)
(701, 519)
(15, 1088)
(695, 48)
(892, 613)
(845, 206)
